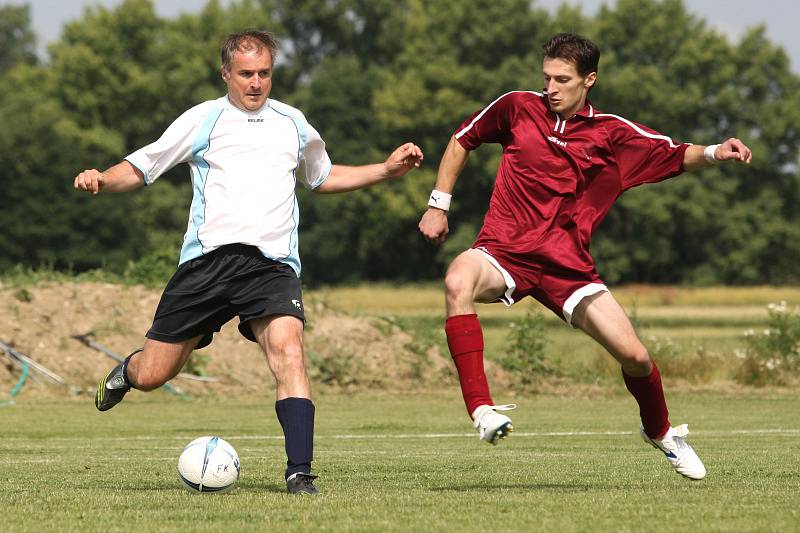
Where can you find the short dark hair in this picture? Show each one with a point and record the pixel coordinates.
(581, 51)
(248, 41)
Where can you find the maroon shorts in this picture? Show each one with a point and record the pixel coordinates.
(558, 271)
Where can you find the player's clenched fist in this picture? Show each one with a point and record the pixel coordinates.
(91, 181)
(433, 225)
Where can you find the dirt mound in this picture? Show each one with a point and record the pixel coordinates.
(343, 351)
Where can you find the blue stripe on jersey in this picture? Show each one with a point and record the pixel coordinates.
(293, 257)
(192, 247)
(293, 260)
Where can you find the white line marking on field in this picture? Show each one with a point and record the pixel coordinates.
(789, 432)
(25, 461)
(388, 436)
(760, 431)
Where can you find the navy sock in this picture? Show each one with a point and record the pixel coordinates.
(296, 416)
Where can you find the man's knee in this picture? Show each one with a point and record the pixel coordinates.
(154, 366)
(458, 282)
(293, 354)
(635, 360)
(287, 357)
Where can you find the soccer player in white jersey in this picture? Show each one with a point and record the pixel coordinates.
(246, 153)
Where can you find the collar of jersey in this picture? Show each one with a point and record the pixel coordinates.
(248, 113)
(587, 111)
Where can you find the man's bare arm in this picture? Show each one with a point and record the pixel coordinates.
(122, 177)
(433, 224)
(346, 178)
(732, 149)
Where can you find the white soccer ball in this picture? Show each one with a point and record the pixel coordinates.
(208, 464)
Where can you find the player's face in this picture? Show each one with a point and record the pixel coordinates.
(566, 89)
(250, 79)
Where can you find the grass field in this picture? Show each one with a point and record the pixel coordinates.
(403, 463)
(391, 462)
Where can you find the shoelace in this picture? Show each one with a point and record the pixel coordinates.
(678, 444)
(300, 476)
(505, 407)
(682, 431)
(305, 481)
(493, 409)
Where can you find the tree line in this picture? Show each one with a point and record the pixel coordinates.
(370, 74)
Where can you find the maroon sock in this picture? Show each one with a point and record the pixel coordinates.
(465, 340)
(649, 395)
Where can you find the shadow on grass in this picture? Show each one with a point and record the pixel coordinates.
(177, 486)
(261, 487)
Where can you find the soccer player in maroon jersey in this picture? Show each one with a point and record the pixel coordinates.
(564, 164)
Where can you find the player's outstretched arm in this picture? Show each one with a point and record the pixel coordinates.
(698, 156)
(121, 177)
(433, 224)
(345, 178)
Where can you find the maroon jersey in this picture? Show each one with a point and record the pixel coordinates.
(556, 181)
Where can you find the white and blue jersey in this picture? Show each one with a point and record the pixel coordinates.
(244, 168)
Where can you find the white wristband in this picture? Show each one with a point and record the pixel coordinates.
(708, 153)
(440, 200)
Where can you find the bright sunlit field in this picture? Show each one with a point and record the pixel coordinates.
(413, 462)
(402, 463)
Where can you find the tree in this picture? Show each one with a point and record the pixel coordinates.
(663, 68)
(370, 74)
(44, 221)
(17, 40)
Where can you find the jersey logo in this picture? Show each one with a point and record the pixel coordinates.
(557, 141)
(255, 120)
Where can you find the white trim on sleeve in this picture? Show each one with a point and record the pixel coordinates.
(485, 109)
(639, 130)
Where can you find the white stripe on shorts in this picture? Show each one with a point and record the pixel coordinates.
(510, 283)
(576, 297)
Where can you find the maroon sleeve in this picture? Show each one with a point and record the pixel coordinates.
(643, 154)
(491, 124)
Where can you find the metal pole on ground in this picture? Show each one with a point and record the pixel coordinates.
(20, 358)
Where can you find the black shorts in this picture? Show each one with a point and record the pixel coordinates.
(207, 292)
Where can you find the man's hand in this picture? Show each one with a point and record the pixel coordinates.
(433, 225)
(91, 181)
(121, 177)
(345, 178)
(733, 150)
(403, 159)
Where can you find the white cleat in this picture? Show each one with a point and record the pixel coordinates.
(682, 457)
(491, 425)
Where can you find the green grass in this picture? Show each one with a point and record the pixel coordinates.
(66, 467)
